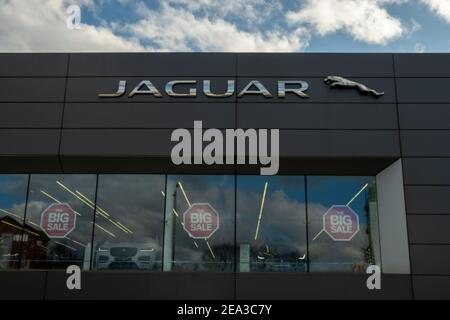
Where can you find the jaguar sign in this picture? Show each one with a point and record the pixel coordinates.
(253, 87)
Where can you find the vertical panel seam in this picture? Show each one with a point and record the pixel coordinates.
(91, 265)
(62, 113)
(403, 177)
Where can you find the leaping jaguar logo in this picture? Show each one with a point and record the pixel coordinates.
(337, 81)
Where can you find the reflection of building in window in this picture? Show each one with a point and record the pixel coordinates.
(181, 251)
(12, 239)
(270, 224)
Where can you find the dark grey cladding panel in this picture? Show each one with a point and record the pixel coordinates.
(33, 64)
(32, 142)
(429, 229)
(422, 65)
(152, 64)
(116, 142)
(425, 143)
(19, 285)
(430, 259)
(431, 287)
(314, 65)
(427, 199)
(87, 90)
(32, 89)
(317, 116)
(290, 286)
(30, 115)
(421, 171)
(424, 116)
(143, 164)
(339, 143)
(325, 166)
(423, 90)
(143, 115)
(319, 91)
(30, 164)
(143, 285)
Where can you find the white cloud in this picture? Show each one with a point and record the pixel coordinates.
(203, 25)
(41, 27)
(365, 20)
(171, 29)
(246, 11)
(440, 7)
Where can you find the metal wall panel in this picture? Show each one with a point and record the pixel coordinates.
(431, 287)
(32, 89)
(426, 171)
(143, 285)
(319, 286)
(422, 65)
(143, 115)
(31, 115)
(423, 90)
(424, 116)
(33, 64)
(339, 143)
(425, 143)
(314, 65)
(429, 229)
(29, 142)
(427, 199)
(430, 259)
(152, 64)
(317, 116)
(20, 285)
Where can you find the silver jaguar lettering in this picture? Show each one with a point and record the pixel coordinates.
(260, 89)
(120, 91)
(253, 87)
(151, 89)
(171, 84)
(298, 91)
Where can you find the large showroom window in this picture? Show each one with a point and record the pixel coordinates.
(220, 223)
(129, 222)
(13, 192)
(343, 223)
(271, 223)
(63, 207)
(199, 230)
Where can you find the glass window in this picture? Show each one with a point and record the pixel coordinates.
(129, 222)
(189, 222)
(271, 223)
(204, 241)
(343, 223)
(13, 192)
(63, 205)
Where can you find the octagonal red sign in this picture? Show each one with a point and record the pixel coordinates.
(58, 220)
(200, 221)
(341, 223)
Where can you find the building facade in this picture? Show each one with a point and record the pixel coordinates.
(87, 178)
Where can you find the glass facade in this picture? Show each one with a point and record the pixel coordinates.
(48, 252)
(271, 228)
(129, 222)
(218, 223)
(184, 253)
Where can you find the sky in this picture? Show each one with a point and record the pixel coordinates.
(226, 26)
